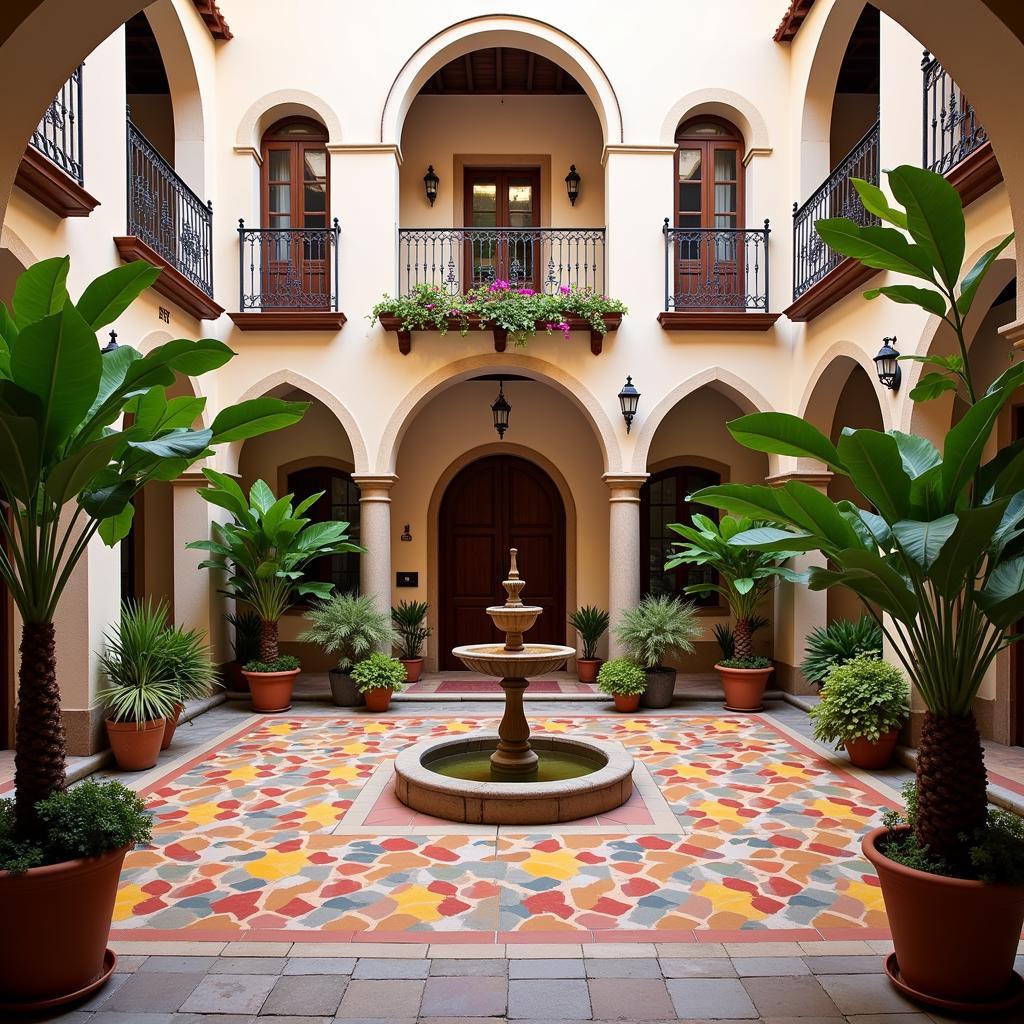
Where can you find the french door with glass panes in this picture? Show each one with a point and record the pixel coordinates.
(296, 205)
(501, 206)
(709, 214)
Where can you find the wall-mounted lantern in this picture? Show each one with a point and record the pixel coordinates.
(430, 183)
(629, 398)
(572, 184)
(887, 364)
(112, 344)
(500, 410)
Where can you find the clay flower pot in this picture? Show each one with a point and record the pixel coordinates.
(62, 914)
(626, 701)
(872, 754)
(344, 691)
(587, 669)
(744, 687)
(955, 939)
(170, 724)
(271, 691)
(661, 684)
(136, 747)
(413, 669)
(378, 699)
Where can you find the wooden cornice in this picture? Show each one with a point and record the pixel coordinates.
(716, 320)
(212, 18)
(975, 174)
(46, 183)
(794, 17)
(847, 277)
(290, 320)
(171, 283)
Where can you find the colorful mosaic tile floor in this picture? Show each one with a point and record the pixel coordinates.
(746, 832)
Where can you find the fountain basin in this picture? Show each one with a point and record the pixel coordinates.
(498, 802)
(496, 660)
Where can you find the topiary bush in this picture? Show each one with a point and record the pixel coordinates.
(621, 677)
(379, 672)
(865, 698)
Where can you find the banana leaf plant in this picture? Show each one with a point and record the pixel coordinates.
(937, 552)
(266, 549)
(71, 464)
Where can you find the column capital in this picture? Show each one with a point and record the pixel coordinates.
(625, 486)
(814, 478)
(190, 480)
(1014, 333)
(374, 486)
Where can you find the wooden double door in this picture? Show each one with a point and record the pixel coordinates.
(493, 504)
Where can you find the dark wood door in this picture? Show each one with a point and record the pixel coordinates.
(494, 504)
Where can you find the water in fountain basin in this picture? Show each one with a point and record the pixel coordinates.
(475, 766)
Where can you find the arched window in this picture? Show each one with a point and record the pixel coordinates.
(340, 501)
(663, 500)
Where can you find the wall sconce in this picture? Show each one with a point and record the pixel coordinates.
(111, 345)
(406, 535)
(629, 398)
(500, 410)
(430, 183)
(887, 364)
(572, 184)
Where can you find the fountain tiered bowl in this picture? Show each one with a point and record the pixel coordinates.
(511, 777)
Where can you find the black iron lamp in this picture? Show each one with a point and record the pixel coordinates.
(500, 410)
(572, 184)
(111, 345)
(430, 183)
(887, 364)
(629, 398)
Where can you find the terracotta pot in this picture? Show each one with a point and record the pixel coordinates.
(955, 940)
(626, 702)
(61, 914)
(170, 724)
(271, 691)
(413, 669)
(744, 687)
(378, 699)
(587, 669)
(344, 691)
(661, 684)
(872, 754)
(135, 749)
(234, 677)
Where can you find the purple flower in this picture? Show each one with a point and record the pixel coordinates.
(430, 305)
(565, 329)
(499, 286)
(524, 291)
(565, 289)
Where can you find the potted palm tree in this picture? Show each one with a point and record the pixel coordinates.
(264, 551)
(746, 577)
(187, 661)
(69, 471)
(379, 677)
(624, 681)
(936, 554)
(350, 626)
(658, 628)
(591, 623)
(408, 617)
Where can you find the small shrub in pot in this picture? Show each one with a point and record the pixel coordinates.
(624, 681)
(379, 677)
(408, 617)
(591, 623)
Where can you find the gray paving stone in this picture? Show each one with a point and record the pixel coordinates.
(790, 997)
(567, 999)
(102, 995)
(890, 1018)
(843, 964)
(641, 967)
(152, 992)
(469, 968)
(772, 966)
(865, 994)
(131, 1017)
(802, 1020)
(546, 969)
(465, 997)
(319, 965)
(249, 965)
(379, 968)
(463, 1020)
(673, 967)
(229, 993)
(218, 1018)
(179, 964)
(381, 999)
(289, 1020)
(621, 998)
(308, 996)
(129, 964)
(695, 998)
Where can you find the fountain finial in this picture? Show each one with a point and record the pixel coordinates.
(513, 585)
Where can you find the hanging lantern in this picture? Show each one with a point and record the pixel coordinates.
(500, 410)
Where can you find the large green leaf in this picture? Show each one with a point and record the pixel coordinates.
(769, 538)
(881, 248)
(57, 359)
(780, 433)
(72, 473)
(816, 513)
(183, 444)
(923, 542)
(1003, 471)
(117, 527)
(935, 217)
(107, 297)
(966, 547)
(872, 578)
(909, 295)
(965, 444)
(19, 462)
(974, 277)
(257, 416)
(930, 386)
(1002, 597)
(41, 290)
(261, 496)
(191, 358)
(917, 454)
(757, 500)
(875, 466)
(873, 200)
(1010, 379)
(114, 369)
(108, 494)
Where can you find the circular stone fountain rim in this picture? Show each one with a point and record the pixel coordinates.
(530, 650)
(409, 764)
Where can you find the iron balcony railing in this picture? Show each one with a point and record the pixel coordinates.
(951, 131)
(58, 136)
(167, 215)
(459, 259)
(716, 268)
(288, 268)
(835, 197)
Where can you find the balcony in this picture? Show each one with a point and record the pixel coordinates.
(170, 227)
(288, 279)
(820, 276)
(52, 169)
(716, 279)
(955, 144)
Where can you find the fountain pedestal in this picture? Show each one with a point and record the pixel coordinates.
(514, 755)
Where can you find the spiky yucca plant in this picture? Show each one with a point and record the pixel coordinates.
(350, 626)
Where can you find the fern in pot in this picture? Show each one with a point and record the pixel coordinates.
(658, 628)
(378, 677)
(624, 681)
(351, 626)
(591, 623)
(407, 617)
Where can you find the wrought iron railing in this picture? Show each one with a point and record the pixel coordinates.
(288, 268)
(950, 131)
(458, 259)
(166, 214)
(58, 136)
(716, 268)
(835, 197)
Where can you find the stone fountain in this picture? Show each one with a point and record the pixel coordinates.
(510, 777)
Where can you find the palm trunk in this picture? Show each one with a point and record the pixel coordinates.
(269, 650)
(39, 737)
(743, 644)
(951, 779)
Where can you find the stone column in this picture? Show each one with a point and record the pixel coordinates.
(623, 548)
(375, 536)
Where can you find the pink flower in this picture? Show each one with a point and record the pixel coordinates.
(525, 291)
(565, 329)
(565, 289)
(430, 305)
(550, 326)
(499, 286)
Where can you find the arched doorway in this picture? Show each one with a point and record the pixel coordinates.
(494, 503)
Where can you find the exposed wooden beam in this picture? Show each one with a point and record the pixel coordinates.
(497, 68)
(529, 72)
(469, 72)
